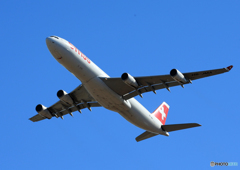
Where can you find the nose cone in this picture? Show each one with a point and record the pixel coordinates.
(48, 39)
(50, 42)
(53, 43)
(55, 46)
(52, 46)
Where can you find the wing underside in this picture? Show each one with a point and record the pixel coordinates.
(152, 83)
(82, 99)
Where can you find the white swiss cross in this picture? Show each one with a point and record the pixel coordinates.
(161, 110)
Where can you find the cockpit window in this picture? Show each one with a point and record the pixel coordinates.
(54, 37)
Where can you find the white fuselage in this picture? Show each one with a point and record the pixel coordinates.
(88, 73)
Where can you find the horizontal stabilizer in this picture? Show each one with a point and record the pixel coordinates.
(170, 128)
(145, 135)
(36, 118)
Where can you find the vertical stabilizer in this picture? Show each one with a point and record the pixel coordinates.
(161, 112)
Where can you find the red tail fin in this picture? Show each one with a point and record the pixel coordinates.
(161, 112)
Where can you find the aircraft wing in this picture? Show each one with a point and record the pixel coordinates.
(81, 98)
(152, 83)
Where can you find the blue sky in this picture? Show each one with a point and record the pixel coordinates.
(141, 38)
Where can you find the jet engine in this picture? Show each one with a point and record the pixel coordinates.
(129, 80)
(43, 111)
(64, 96)
(178, 76)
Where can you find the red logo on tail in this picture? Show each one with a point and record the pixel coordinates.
(161, 112)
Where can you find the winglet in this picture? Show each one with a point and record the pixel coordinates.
(229, 67)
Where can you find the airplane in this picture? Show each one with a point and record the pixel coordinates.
(115, 94)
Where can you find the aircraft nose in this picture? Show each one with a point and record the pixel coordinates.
(54, 45)
(52, 42)
(49, 41)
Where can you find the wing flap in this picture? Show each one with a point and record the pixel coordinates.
(154, 79)
(148, 89)
(62, 112)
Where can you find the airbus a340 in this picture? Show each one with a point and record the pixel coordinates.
(116, 94)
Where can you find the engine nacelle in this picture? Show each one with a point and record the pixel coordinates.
(43, 111)
(129, 80)
(64, 96)
(178, 76)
